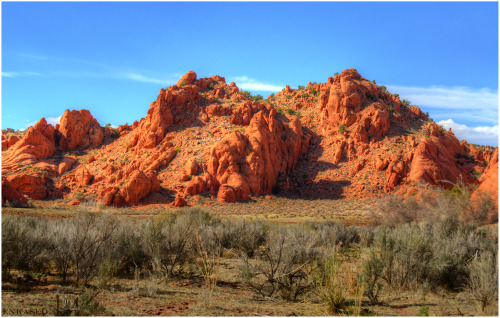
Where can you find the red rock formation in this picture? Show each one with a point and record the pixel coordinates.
(171, 106)
(250, 163)
(187, 78)
(78, 129)
(139, 185)
(489, 186)
(434, 161)
(191, 167)
(37, 142)
(34, 187)
(66, 164)
(9, 193)
(342, 100)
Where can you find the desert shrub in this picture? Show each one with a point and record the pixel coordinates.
(183, 83)
(342, 129)
(284, 263)
(115, 133)
(208, 240)
(373, 267)
(406, 254)
(330, 286)
(244, 236)
(395, 209)
(483, 281)
(61, 252)
(257, 97)
(25, 244)
(107, 271)
(169, 241)
(483, 210)
(128, 248)
(290, 111)
(366, 236)
(211, 85)
(333, 234)
(455, 247)
(90, 241)
(301, 87)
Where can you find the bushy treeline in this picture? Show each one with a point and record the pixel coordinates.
(311, 260)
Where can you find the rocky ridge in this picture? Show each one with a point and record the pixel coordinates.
(347, 137)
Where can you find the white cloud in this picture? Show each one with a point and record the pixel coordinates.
(53, 120)
(19, 74)
(245, 83)
(482, 135)
(50, 120)
(145, 79)
(460, 103)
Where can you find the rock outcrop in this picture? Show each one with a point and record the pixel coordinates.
(78, 129)
(250, 162)
(38, 142)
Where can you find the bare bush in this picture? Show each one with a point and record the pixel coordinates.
(284, 263)
(169, 241)
(128, 248)
(244, 236)
(452, 253)
(60, 233)
(90, 241)
(483, 281)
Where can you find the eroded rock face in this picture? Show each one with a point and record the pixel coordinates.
(34, 187)
(9, 193)
(489, 186)
(434, 161)
(171, 106)
(250, 162)
(78, 129)
(138, 186)
(37, 142)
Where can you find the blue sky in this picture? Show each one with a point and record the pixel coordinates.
(113, 58)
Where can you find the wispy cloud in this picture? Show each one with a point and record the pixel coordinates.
(33, 56)
(246, 83)
(460, 103)
(482, 135)
(147, 79)
(19, 74)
